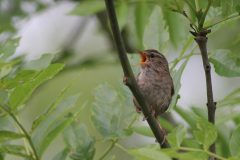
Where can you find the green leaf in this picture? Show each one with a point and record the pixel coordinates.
(5, 71)
(173, 21)
(230, 100)
(8, 49)
(54, 133)
(206, 134)
(126, 95)
(176, 76)
(53, 105)
(11, 63)
(52, 118)
(120, 134)
(111, 158)
(142, 14)
(148, 154)
(212, 13)
(224, 117)
(227, 22)
(224, 134)
(190, 143)
(122, 12)
(143, 130)
(176, 137)
(187, 116)
(201, 112)
(234, 143)
(106, 110)
(38, 64)
(88, 7)
(62, 155)
(23, 92)
(226, 7)
(238, 8)
(225, 63)
(8, 135)
(79, 144)
(165, 124)
(17, 150)
(130, 117)
(21, 78)
(193, 155)
(155, 36)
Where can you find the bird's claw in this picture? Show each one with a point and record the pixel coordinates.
(152, 111)
(144, 118)
(163, 131)
(138, 110)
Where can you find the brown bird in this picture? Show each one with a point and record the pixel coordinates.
(155, 82)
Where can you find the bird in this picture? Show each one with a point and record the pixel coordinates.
(155, 82)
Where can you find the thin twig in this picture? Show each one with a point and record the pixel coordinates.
(129, 78)
(109, 149)
(221, 21)
(204, 15)
(202, 43)
(185, 15)
(192, 7)
(175, 62)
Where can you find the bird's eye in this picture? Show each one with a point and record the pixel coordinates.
(152, 55)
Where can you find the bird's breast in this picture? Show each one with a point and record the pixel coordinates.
(156, 88)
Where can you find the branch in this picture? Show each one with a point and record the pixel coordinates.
(129, 78)
(211, 105)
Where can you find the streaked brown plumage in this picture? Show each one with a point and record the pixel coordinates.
(155, 82)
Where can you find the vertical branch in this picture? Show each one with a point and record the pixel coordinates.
(129, 78)
(211, 105)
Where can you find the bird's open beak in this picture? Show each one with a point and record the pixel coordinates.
(143, 58)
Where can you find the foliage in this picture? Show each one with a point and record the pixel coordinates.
(154, 24)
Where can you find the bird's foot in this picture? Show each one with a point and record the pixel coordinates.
(163, 131)
(164, 137)
(138, 110)
(152, 111)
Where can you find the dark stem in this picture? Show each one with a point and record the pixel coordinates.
(129, 78)
(202, 43)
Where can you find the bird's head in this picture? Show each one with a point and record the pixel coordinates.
(154, 59)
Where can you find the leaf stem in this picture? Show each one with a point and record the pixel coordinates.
(204, 15)
(185, 15)
(221, 21)
(192, 7)
(109, 149)
(115, 141)
(129, 78)
(24, 140)
(175, 62)
(197, 5)
(130, 124)
(200, 150)
(24, 131)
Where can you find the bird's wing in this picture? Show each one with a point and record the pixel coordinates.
(134, 99)
(172, 91)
